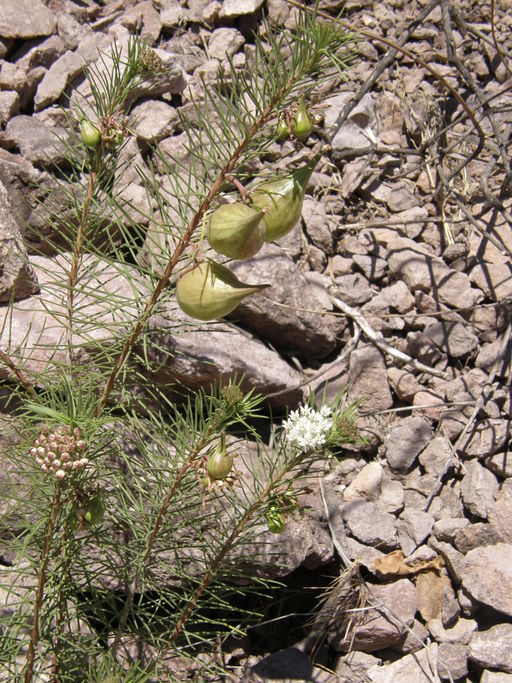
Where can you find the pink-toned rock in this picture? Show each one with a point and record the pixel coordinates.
(487, 576)
(382, 625)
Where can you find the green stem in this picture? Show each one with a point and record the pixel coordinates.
(228, 545)
(43, 566)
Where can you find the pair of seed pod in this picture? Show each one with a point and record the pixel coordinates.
(300, 125)
(238, 230)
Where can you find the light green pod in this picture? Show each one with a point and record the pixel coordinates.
(236, 230)
(282, 199)
(211, 291)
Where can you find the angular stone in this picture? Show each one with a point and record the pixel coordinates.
(435, 456)
(487, 576)
(420, 667)
(224, 42)
(403, 383)
(9, 105)
(17, 277)
(368, 379)
(414, 526)
(351, 135)
(231, 9)
(55, 80)
(500, 515)
(37, 142)
(495, 677)
(154, 120)
(455, 339)
(493, 648)
(500, 464)
(384, 623)
(370, 524)
(460, 633)
(446, 529)
(26, 19)
(452, 661)
(352, 667)
(367, 483)
(476, 535)
(283, 314)
(406, 441)
(487, 438)
(317, 224)
(422, 271)
(479, 487)
(372, 267)
(353, 289)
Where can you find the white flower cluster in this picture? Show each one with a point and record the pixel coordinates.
(307, 428)
(60, 451)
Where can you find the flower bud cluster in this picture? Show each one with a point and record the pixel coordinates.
(60, 451)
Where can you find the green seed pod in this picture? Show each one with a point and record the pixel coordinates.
(276, 521)
(301, 125)
(236, 230)
(282, 200)
(219, 464)
(94, 511)
(282, 130)
(91, 136)
(211, 291)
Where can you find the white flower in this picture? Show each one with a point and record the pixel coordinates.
(307, 429)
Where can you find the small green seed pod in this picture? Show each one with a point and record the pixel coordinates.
(219, 464)
(282, 130)
(301, 125)
(276, 521)
(91, 136)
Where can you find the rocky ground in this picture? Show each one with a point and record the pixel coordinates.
(398, 285)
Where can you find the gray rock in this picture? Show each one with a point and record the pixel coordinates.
(501, 513)
(231, 9)
(413, 640)
(26, 19)
(391, 496)
(368, 379)
(17, 277)
(421, 270)
(22, 78)
(406, 441)
(292, 326)
(144, 20)
(435, 456)
(487, 438)
(37, 142)
(493, 278)
(58, 76)
(452, 661)
(154, 120)
(317, 224)
(372, 267)
(396, 195)
(370, 524)
(460, 633)
(403, 383)
(500, 464)
(478, 488)
(353, 289)
(476, 535)
(352, 667)
(389, 611)
(454, 560)
(447, 529)
(367, 483)
(224, 42)
(351, 135)
(414, 526)
(493, 648)
(9, 105)
(495, 677)
(487, 576)
(420, 667)
(455, 339)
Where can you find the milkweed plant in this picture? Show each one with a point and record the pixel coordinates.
(130, 505)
